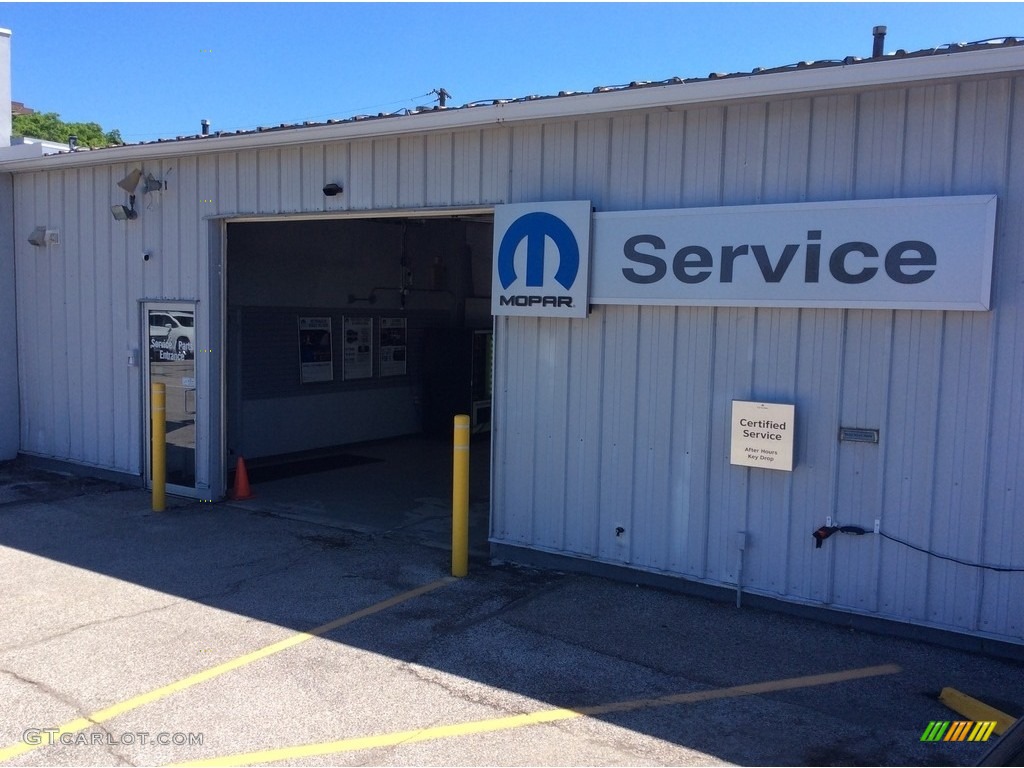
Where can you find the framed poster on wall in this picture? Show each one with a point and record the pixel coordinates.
(316, 356)
(393, 346)
(358, 348)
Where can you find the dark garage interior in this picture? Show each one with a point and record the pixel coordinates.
(351, 345)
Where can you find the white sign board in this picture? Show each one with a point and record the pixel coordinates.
(316, 354)
(357, 351)
(909, 253)
(541, 259)
(393, 346)
(762, 435)
(915, 253)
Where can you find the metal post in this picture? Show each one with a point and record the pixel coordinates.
(158, 451)
(460, 497)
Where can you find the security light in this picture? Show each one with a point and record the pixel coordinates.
(123, 212)
(332, 189)
(152, 184)
(38, 236)
(131, 181)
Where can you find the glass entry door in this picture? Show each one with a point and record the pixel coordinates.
(169, 334)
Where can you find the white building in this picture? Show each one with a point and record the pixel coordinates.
(290, 315)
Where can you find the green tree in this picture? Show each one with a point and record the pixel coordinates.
(49, 126)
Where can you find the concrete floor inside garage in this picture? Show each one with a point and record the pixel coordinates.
(401, 487)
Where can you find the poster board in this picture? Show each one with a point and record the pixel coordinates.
(316, 355)
(393, 346)
(357, 350)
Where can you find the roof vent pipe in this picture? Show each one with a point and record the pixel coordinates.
(206, 127)
(879, 35)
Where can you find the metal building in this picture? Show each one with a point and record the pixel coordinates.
(611, 436)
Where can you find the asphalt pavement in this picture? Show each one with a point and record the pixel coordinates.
(215, 632)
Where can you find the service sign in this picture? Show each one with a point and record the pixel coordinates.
(541, 259)
(762, 435)
(910, 253)
(913, 253)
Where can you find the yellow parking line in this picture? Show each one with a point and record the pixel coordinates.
(104, 715)
(536, 718)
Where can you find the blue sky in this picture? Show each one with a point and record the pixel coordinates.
(155, 70)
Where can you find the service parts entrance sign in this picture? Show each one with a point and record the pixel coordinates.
(541, 259)
(930, 253)
(762, 435)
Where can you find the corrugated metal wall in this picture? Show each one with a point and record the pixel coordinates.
(78, 303)
(622, 420)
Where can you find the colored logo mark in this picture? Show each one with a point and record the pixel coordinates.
(960, 730)
(535, 228)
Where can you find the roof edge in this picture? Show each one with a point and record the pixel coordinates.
(889, 71)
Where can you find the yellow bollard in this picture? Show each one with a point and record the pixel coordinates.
(158, 407)
(460, 497)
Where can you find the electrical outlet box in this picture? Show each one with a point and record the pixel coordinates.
(53, 237)
(828, 521)
(878, 525)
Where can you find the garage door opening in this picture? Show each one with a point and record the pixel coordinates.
(351, 345)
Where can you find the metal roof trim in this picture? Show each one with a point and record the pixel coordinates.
(830, 76)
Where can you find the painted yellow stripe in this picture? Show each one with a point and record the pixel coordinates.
(970, 707)
(536, 718)
(111, 712)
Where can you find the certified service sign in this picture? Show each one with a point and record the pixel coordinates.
(541, 259)
(762, 435)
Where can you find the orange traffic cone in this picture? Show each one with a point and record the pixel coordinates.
(241, 490)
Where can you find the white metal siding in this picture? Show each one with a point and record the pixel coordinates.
(621, 420)
(10, 431)
(78, 303)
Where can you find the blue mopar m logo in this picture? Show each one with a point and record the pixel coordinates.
(535, 228)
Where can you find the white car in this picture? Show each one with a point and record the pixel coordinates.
(171, 336)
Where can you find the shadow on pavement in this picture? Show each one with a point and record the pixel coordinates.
(561, 640)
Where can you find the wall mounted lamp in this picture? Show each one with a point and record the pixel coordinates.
(124, 212)
(131, 181)
(333, 189)
(151, 184)
(42, 236)
(128, 184)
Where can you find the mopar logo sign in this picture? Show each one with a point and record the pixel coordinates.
(535, 228)
(542, 254)
(556, 259)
